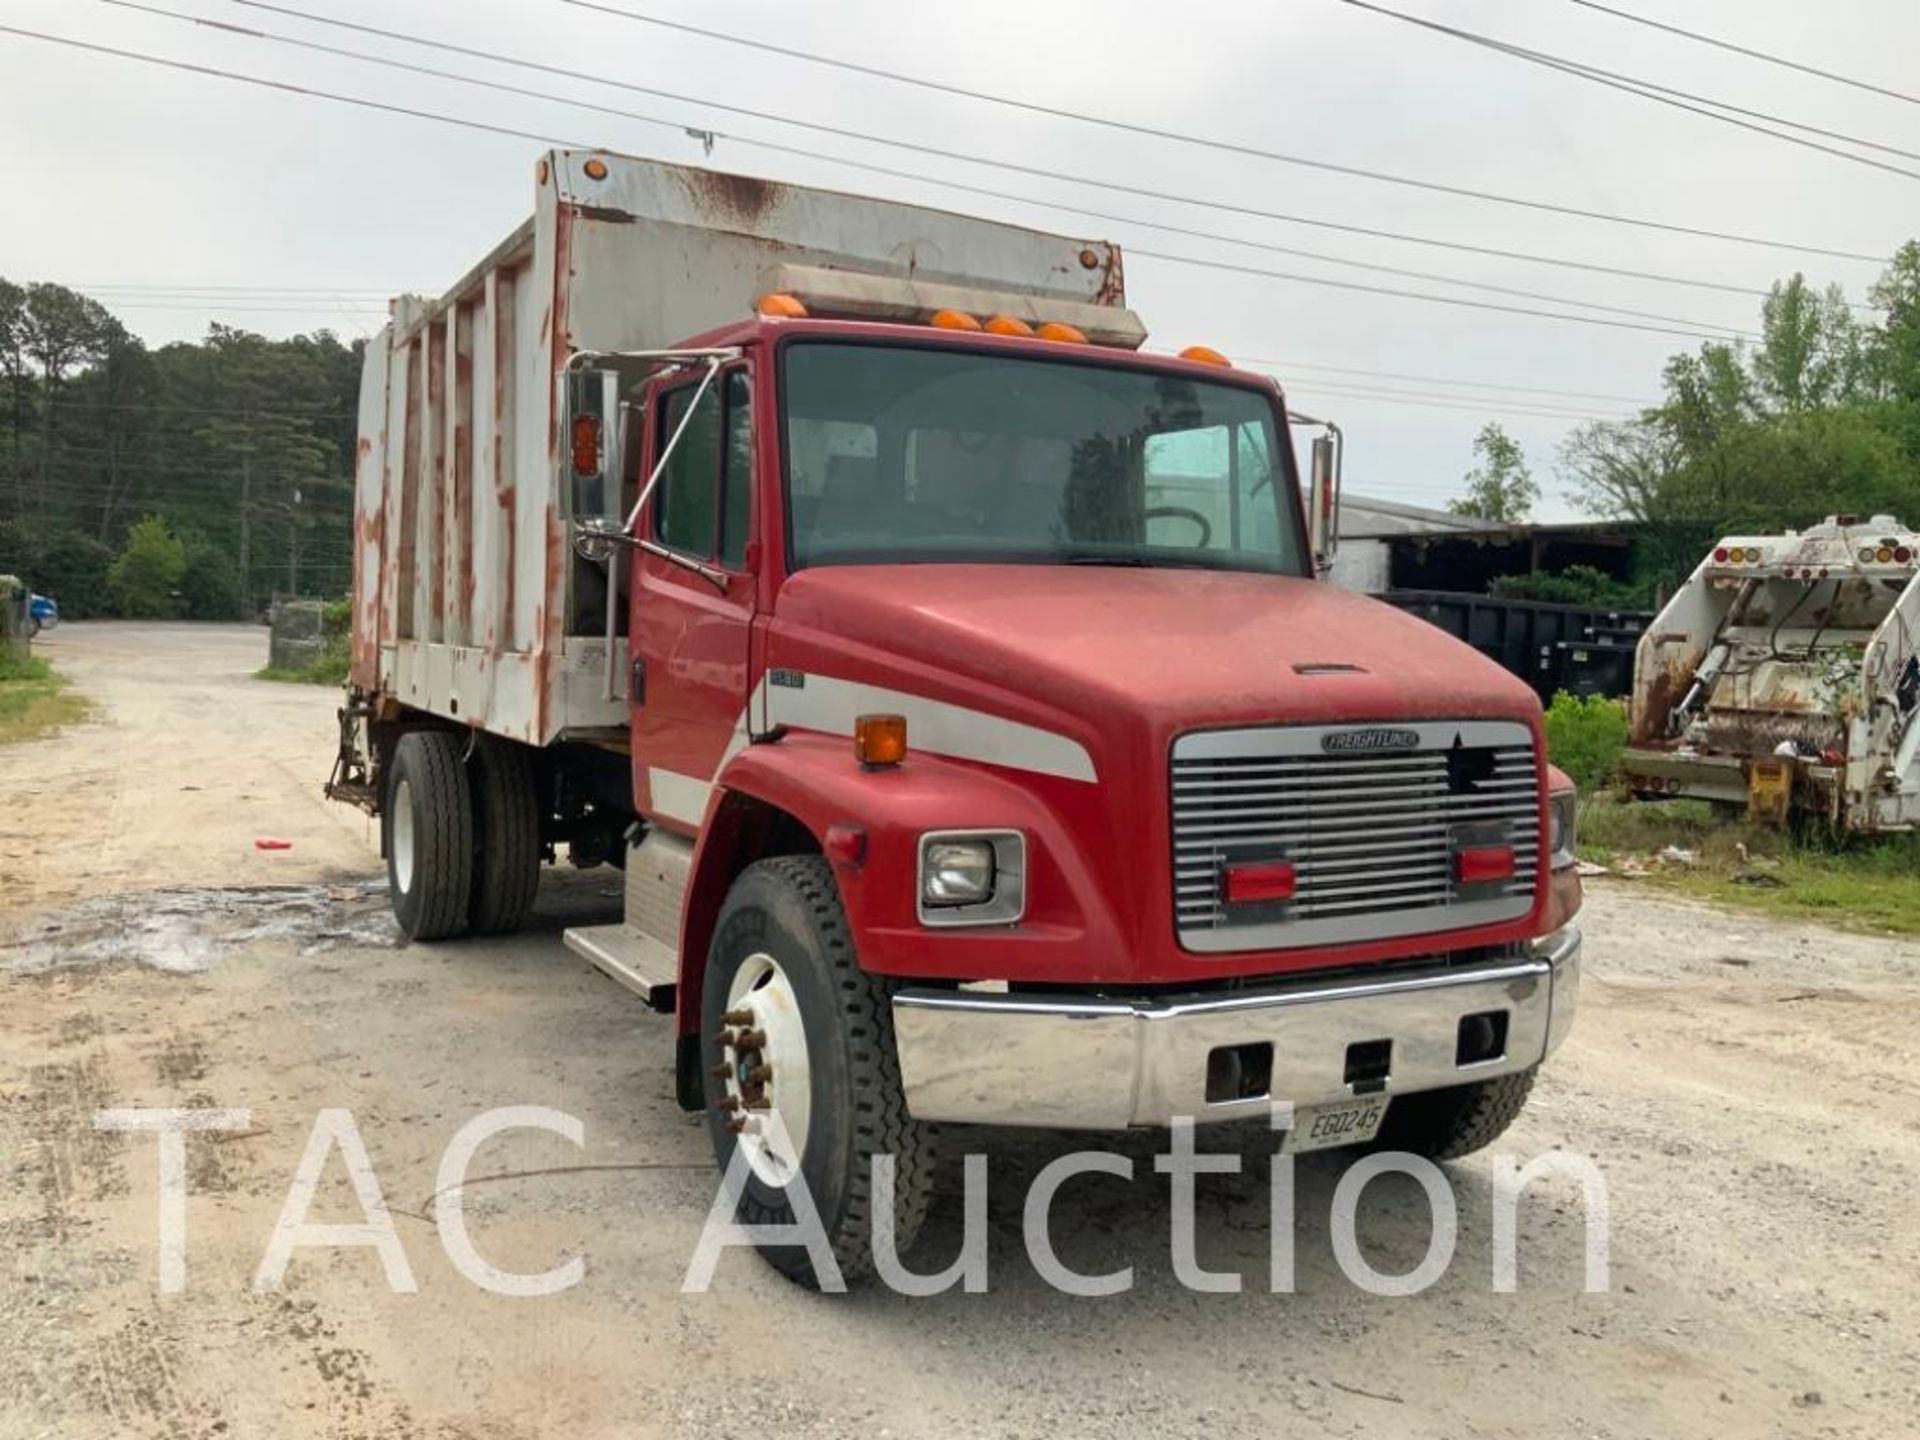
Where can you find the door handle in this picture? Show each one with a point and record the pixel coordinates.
(637, 684)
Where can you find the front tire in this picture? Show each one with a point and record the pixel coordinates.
(427, 829)
(785, 989)
(1447, 1124)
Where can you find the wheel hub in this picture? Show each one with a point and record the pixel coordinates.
(402, 838)
(764, 1070)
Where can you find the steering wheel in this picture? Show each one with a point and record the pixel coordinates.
(1181, 512)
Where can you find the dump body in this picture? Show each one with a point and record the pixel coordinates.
(468, 601)
(1785, 675)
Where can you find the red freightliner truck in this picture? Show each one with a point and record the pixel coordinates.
(954, 682)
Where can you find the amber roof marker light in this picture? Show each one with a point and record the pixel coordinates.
(781, 307)
(1205, 355)
(1009, 325)
(953, 320)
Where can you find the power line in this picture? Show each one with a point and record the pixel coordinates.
(998, 194)
(1646, 90)
(323, 291)
(1770, 59)
(776, 147)
(1288, 365)
(1707, 331)
(1431, 299)
(1456, 402)
(1382, 176)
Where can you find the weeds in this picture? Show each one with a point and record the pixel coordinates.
(34, 701)
(1862, 884)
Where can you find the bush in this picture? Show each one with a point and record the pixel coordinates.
(146, 576)
(1575, 585)
(210, 588)
(1585, 738)
(67, 564)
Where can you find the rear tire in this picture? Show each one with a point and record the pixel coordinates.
(782, 950)
(1446, 1124)
(427, 829)
(506, 837)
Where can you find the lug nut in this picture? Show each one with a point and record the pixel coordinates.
(730, 1104)
(751, 1040)
(760, 1075)
(721, 1072)
(738, 1017)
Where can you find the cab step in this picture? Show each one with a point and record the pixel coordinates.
(641, 962)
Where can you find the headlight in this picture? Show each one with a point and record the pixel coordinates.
(958, 872)
(972, 877)
(1563, 813)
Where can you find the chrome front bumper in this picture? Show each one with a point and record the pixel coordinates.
(1091, 1062)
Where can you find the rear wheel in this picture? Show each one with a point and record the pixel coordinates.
(506, 837)
(1446, 1124)
(793, 1027)
(428, 820)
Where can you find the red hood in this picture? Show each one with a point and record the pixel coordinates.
(1179, 648)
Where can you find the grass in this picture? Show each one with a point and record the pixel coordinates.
(329, 667)
(1864, 884)
(34, 701)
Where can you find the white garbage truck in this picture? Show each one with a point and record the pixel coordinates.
(1784, 676)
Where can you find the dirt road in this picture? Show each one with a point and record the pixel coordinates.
(1749, 1089)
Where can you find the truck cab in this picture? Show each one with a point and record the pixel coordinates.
(995, 751)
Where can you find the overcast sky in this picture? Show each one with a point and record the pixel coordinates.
(119, 174)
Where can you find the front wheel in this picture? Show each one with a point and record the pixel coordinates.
(1446, 1124)
(794, 1028)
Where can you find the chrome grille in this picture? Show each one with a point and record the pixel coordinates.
(1371, 835)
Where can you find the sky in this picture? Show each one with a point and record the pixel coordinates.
(180, 199)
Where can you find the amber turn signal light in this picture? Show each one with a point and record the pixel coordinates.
(880, 739)
(586, 444)
(596, 169)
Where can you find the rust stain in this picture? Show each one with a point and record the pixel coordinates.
(462, 461)
(741, 199)
(1652, 707)
(1113, 280)
(436, 411)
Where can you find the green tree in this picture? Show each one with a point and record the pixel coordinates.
(210, 586)
(146, 575)
(1500, 487)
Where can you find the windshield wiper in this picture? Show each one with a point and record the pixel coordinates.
(1135, 561)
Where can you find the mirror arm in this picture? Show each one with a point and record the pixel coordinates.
(717, 578)
(660, 465)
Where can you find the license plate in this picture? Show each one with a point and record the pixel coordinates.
(1349, 1122)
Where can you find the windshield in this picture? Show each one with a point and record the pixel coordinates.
(895, 453)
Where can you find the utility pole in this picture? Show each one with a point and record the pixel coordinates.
(246, 513)
(293, 545)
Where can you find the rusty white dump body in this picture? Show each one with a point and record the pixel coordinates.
(1788, 668)
(469, 602)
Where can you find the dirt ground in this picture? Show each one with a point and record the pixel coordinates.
(1750, 1090)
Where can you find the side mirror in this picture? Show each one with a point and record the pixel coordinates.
(1324, 500)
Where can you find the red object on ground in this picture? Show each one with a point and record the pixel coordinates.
(264, 844)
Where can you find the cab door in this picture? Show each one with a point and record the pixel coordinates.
(692, 608)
